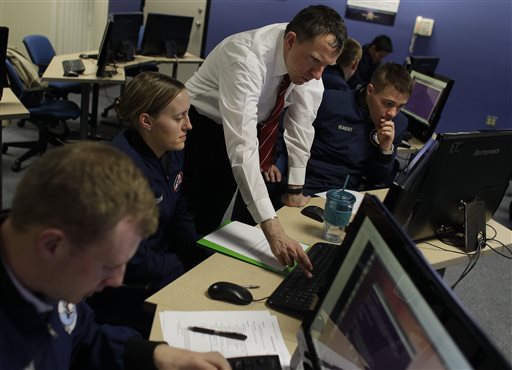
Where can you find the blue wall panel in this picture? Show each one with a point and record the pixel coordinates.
(472, 37)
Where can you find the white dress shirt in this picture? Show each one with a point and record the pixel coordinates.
(237, 86)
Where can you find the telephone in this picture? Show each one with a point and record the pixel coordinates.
(423, 26)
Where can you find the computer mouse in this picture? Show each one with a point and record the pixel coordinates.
(71, 74)
(230, 292)
(314, 212)
(84, 56)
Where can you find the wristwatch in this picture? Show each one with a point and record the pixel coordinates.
(294, 191)
(388, 152)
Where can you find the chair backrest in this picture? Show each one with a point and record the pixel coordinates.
(40, 50)
(14, 80)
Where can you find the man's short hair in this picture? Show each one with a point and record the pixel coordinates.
(382, 43)
(316, 20)
(84, 189)
(392, 74)
(351, 51)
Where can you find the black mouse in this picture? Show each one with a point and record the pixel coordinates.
(71, 74)
(314, 212)
(83, 56)
(230, 292)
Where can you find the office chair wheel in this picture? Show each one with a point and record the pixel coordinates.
(16, 167)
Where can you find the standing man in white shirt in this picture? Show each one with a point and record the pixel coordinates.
(232, 94)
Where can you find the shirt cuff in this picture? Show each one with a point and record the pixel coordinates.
(138, 354)
(296, 175)
(261, 210)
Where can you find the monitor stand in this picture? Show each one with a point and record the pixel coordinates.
(469, 235)
(171, 50)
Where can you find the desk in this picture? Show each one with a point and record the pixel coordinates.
(187, 293)
(10, 108)
(88, 79)
(55, 71)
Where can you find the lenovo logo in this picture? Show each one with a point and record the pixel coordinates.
(481, 153)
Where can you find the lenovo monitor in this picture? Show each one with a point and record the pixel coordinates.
(453, 187)
(388, 309)
(426, 103)
(166, 35)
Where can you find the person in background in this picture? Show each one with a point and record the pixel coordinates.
(357, 133)
(335, 77)
(373, 55)
(155, 107)
(233, 97)
(78, 216)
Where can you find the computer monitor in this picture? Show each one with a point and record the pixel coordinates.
(4, 36)
(388, 309)
(166, 35)
(124, 36)
(104, 51)
(427, 100)
(453, 187)
(424, 64)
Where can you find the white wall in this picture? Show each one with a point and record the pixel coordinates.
(191, 8)
(48, 17)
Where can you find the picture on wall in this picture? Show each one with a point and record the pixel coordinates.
(373, 11)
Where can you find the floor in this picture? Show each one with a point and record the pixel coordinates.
(486, 292)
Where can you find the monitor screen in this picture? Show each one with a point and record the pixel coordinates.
(425, 64)
(424, 107)
(434, 197)
(4, 35)
(166, 35)
(387, 309)
(124, 36)
(104, 51)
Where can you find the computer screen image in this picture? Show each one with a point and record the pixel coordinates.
(453, 187)
(387, 309)
(124, 36)
(166, 35)
(426, 103)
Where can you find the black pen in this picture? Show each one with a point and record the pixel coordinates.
(226, 334)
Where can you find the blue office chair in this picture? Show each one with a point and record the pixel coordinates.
(43, 114)
(41, 52)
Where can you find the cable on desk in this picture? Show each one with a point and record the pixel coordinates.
(473, 259)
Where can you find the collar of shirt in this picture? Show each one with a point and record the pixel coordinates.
(40, 305)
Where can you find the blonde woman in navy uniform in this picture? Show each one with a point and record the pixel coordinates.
(77, 217)
(155, 107)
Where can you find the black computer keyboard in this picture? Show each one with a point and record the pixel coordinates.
(75, 65)
(264, 362)
(297, 294)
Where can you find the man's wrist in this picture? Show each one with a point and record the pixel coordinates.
(389, 151)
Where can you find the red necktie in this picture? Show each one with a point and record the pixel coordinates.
(267, 134)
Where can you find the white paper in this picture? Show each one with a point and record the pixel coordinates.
(246, 240)
(262, 329)
(359, 199)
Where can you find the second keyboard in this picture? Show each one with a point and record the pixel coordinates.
(75, 65)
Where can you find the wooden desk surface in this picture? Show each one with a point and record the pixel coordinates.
(55, 72)
(11, 107)
(188, 293)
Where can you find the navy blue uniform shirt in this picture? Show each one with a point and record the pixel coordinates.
(342, 144)
(156, 260)
(334, 79)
